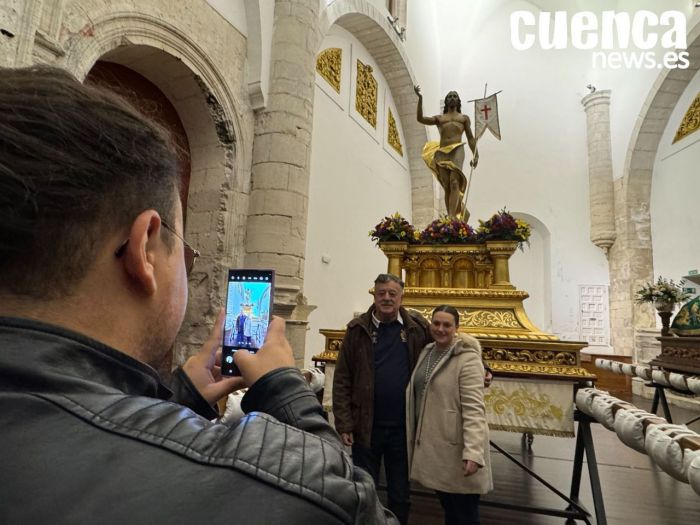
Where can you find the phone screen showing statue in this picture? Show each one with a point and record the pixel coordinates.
(248, 307)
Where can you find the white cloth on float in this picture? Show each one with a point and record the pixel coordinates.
(678, 381)
(665, 449)
(616, 367)
(604, 364)
(628, 369)
(694, 473)
(584, 399)
(629, 427)
(643, 371)
(538, 407)
(660, 377)
(603, 410)
(693, 384)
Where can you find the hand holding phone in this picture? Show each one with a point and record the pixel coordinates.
(204, 368)
(248, 309)
(275, 353)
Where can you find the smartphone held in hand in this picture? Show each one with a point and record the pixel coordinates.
(248, 311)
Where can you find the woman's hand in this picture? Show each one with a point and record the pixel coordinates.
(470, 467)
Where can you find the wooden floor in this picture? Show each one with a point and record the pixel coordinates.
(635, 490)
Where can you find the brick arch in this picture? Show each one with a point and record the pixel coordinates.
(631, 257)
(371, 27)
(213, 119)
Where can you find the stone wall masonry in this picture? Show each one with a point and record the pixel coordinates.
(276, 229)
(17, 25)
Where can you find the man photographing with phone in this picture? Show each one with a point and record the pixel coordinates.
(93, 290)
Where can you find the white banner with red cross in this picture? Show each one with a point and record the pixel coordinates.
(486, 116)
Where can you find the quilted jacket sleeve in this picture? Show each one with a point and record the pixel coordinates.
(285, 395)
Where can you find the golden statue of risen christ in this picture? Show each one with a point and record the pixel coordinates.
(446, 158)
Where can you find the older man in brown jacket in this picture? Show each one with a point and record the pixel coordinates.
(379, 352)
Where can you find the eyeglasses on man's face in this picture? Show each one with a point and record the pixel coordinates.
(190, 253)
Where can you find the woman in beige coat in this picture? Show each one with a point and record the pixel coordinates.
(448, 437)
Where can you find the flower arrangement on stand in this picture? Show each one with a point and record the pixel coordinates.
(502, 226)
(664, 294)
(447, 230)
(393, 229)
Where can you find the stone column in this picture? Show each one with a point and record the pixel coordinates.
(276, 228)
(600, 174)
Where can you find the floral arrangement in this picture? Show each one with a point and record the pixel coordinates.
(447, 230)
(502, 226)
(393, 228)
(663, 291)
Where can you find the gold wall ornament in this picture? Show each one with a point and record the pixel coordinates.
(393, 135)
(366, 89)
(329, 66)
(690, 122)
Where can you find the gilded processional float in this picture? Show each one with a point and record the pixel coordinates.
(450, 263)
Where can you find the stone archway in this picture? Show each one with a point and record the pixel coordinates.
(370, 26)
(631, 258)
(219, 131)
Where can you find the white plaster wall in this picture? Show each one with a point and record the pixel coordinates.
(423, 50)
(530, 270)
(354, 182)
(233, 11)
(675, 195)
(471, 21)
(540, 166)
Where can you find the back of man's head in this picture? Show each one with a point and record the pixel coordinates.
(76, 164)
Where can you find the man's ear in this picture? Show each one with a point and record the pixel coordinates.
(140, 255)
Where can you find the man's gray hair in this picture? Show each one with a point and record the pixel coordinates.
(383, 278)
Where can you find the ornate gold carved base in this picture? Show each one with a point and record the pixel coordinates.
(483, 312)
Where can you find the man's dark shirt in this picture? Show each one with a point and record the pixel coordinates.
(391, 374)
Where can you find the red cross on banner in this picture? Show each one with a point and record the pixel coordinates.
(486, 117)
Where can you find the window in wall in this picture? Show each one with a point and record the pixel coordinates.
(594, 314)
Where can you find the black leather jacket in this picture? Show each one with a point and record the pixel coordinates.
(89, 435)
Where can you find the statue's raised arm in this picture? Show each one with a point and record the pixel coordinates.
(429, 121)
